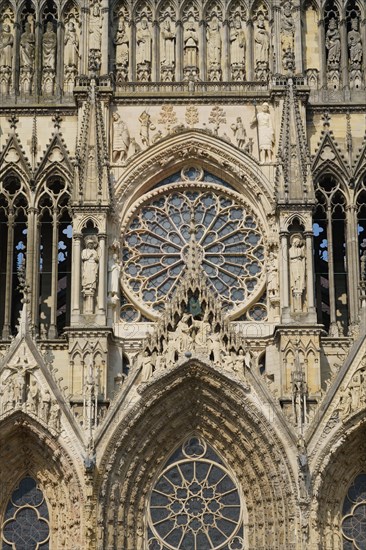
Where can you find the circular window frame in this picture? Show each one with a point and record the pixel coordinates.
(242, 521)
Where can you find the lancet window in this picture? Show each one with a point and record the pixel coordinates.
(13, 249)
(35, 253)
(195, 502)
(54, 257)
(331, 256)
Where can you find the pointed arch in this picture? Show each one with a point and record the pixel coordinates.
(199, 148)
(194, 399)
(28, 449)
(341, 458)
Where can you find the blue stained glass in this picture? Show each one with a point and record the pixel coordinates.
(26, 526)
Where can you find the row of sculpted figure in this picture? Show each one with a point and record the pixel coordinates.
(30, 66)
(333, 45)
(187, 47)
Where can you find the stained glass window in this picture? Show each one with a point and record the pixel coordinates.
(216, 230)
(195, 503)
(354, 520)
(26, 525)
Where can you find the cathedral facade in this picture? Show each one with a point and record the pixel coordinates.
(182, 274)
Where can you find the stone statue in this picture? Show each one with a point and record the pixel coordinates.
(33, 397)
(90, 264)
(202, 331)
(345, 404)
(214, 49)
(183, 332)
(114, 271)
(49, 43)
(95, 27)
(261, 41)
(237, 49)
(121, 41)
(239, 132)
(297, 270)
(8, 395)
(55, 412)
(265, 133)
(355, 43)
(168, 42)
(190, 41)
(143, 42)
(171, 348)
(146, 367)
(6, 47)
(272, 275)
(333, 44)
(287, 27)
(146, 126)
(46, 406)
(71, 50)
(121, 139)
(27, 45)
(214, 347)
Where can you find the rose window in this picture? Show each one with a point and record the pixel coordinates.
(195, 504)
(212, 229)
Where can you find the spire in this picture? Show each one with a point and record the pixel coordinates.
(92, 176)
(293, 179)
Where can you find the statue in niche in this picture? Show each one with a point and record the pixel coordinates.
(143, 42)
(261, 49)
(6, 47)
(95, 27)
(214, 49)
(190, 40)
(237, 49)
(49, 43)
(114, 271)
(121, 139)
(297, 271)
(6, 53)
(168, 42)
(265, 133)
(71, 51)
(261, 41)
(90, 265)
(272, 275)
(121, 41)
(287, 27)
(27, 45)
(355, 44)
(333, 44)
